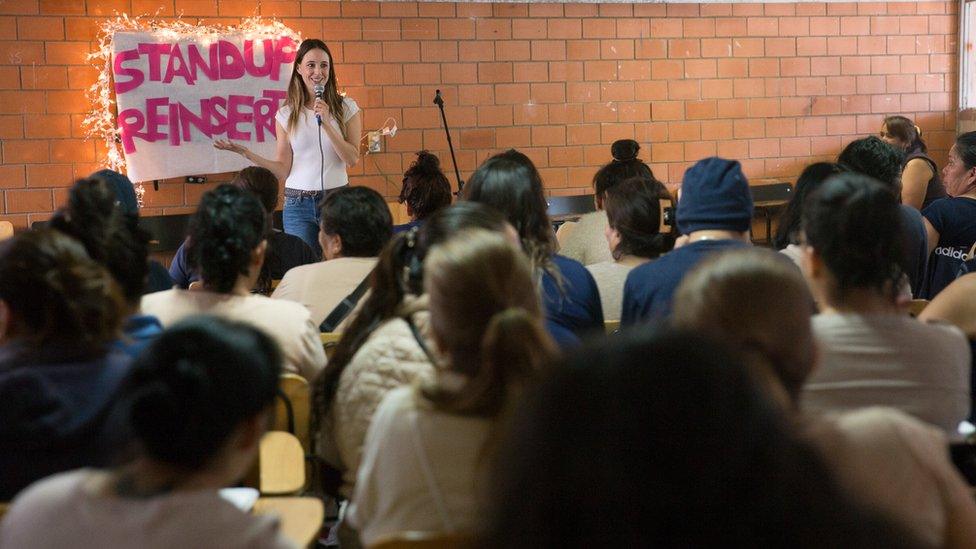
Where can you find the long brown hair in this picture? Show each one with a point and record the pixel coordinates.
(298, 94)
(487, 318)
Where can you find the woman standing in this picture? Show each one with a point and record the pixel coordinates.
(920, 183)
(318, 138)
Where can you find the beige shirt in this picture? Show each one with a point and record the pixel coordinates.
(287, 323)
(890, 360)
(420, 470)
(66, 510)
(897, 465)
(585, 240)
(321, 286)
(610, 277)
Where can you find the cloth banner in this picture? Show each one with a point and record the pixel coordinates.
(175, 95)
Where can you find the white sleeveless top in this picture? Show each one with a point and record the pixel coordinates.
(310, 170)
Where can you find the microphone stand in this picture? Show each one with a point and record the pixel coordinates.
(439, 101)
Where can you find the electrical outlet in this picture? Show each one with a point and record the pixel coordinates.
(196, 179)
(374, 142)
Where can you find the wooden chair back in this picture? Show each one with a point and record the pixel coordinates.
(329, 342)
(916, 306)
(293, 408)
(6, 230)
(281, 464)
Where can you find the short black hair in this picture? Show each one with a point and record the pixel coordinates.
(966, 148)
(360, 218)
(814, 175)
(853, 222)
(260, 181)
(874, 158)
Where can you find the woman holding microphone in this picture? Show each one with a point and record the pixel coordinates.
(318, 134)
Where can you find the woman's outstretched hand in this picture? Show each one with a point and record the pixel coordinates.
(227, 145)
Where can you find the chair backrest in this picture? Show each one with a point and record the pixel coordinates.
(564, 207)
(916, 306)
(168, 231)
(281, 464)
(4, 507)
(774, 193)
(6, 230)
(611, 326)
(293, 408)
(423, 540)
(329, 342)
(398, 212)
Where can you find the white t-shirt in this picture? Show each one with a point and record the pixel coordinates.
(66, 510)
(421, 470)
(307, 163)
(891, 360)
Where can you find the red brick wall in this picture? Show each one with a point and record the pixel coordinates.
(774, 85)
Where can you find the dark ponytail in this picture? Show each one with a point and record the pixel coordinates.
(228, 225)
(425, 187)
(907, 132)
(195, 384)
(625, 165)
(56, 294)
(634, 210)
(112, 237)
(788, 229)
(853, 223)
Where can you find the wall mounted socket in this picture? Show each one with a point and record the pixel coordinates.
(374, 142)
(196, 179)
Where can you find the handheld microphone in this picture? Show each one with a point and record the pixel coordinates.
(319, 92)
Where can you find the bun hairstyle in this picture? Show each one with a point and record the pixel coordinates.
(425, 187)
(398, 273)
(907, 132)
(57, 295)
(195, 384)
(228, 225)
(624, 150)
(625, 165)
(814, 175)
(634, 210)
(486, 316)
(853, 223)
(111, 236)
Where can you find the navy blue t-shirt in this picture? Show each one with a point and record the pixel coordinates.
(575, 309)
(955, 220)
(650, 287)
(914, 240)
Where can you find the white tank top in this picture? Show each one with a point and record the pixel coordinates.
(310, 170)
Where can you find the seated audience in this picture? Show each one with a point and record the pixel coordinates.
(425, 190)
(126, 200)
(956, 304)
(381, 348)
(114, 239)
(873, 353)
(788, 230)
(356, 224)
(714, 213)
(758, 304)
(920, 183)
(198, 401)
(875, 158)
(950, 223)
(665, 440)
(428, 448)
(510, 183)
(636, 234)
(60, 314)
(227, 247)
(584, 240)
(285, 251)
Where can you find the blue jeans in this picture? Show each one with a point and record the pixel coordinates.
(300, 217)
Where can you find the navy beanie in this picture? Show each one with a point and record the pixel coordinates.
(125, 194)
(715, 196)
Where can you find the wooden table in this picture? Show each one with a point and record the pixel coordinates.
(300, 518)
